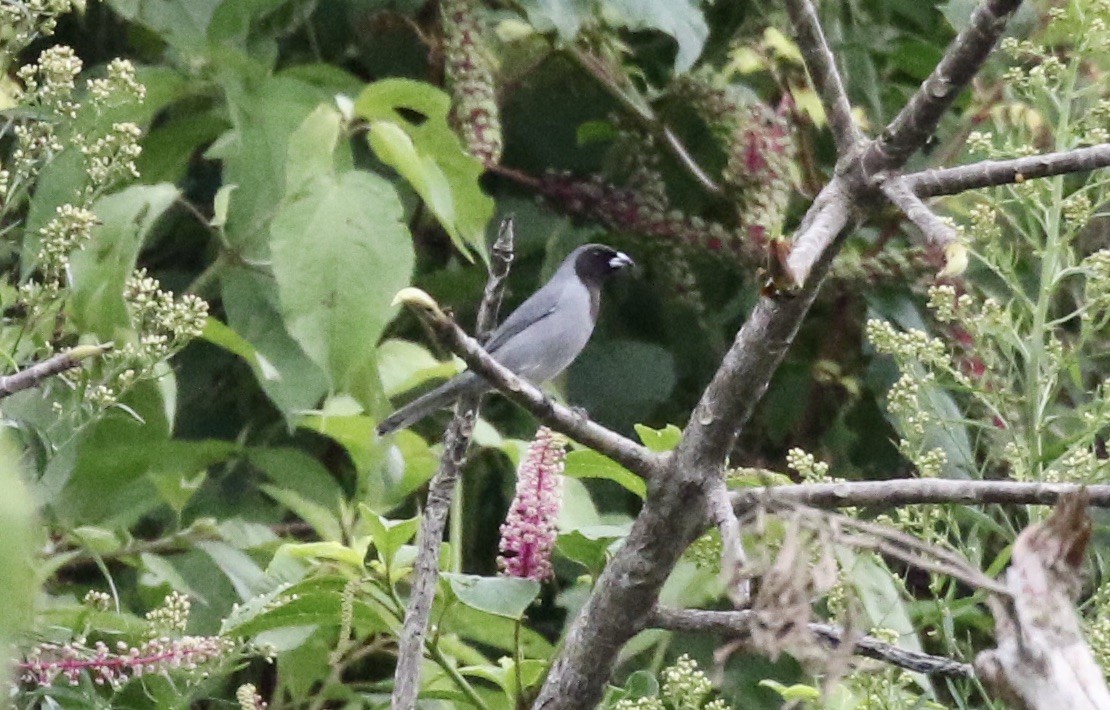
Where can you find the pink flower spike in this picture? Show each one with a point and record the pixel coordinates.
(528, 534)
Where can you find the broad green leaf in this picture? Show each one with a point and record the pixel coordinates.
(589, 547)
(681, 19)
(404, 365)
(294, 470)
(101, 268)
(17, 554)
(340, 253)
(501, 596)
(242, 571)
(429, 155)
(322, 519)
(105, 483)
(183, 24)
(563, 16)
(176, 488)
(257, 333)
(659, 440)
(493, 631)
(590, 464)
(255, 153)
(797, 692)
(388, 535)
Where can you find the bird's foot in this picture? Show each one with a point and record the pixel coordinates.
(581, 413)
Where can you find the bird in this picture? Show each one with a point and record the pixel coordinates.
(538, 340)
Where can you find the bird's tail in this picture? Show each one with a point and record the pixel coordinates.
(427, 403)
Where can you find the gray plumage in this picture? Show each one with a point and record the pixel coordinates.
(538, 340)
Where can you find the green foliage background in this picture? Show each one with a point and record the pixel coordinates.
(248, 471)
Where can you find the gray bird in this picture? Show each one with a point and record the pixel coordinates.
(539, 339)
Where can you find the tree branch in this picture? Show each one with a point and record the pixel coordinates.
(935, 230)
(961, 62)
(826, 78)
(55, 365)
(626, 452)
(989, 173)
(916, 491)
(441, 490)
(738, 625)
(676, 506)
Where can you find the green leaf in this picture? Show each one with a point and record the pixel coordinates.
(659, 440)
(429, 155)
(508, 597)
(340, 253)
(18, 553)
(388, 535)
(183, 24)
(108, 259)
(563, 16)
(797, 692)
(681, 19)
(322, 520)
(590, 464)
(294, 470)
(257, 333)
(589, 547)
(404, 365)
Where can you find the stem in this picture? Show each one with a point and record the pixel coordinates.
(1039, 385)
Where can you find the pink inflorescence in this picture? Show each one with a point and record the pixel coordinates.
(47, 662)
(528, 534)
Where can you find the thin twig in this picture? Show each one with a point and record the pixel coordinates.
(646, 118)
(738, 624)
(916, 491)
(55, 365)
(441, 490)
(989, 173)
(936, 231)
(826, 78)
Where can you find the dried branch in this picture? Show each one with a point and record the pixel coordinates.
(961, 62)
(441, 490)
(826, 78)
(738, 625)
(624, 451)
(916, 491)
(989, 173)
(55, 365)
(936, 231)
(1042, 661)
(733, 558)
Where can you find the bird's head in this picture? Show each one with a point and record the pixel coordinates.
(594, 263)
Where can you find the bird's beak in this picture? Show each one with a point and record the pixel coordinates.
(621, 261)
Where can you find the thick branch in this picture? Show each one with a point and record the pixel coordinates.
(822, 70)
(738, 625)
(675, 508)
(624, 451)
(441, 490)
(961, 62)
(917, 491)
(55, 365)
(989, 173)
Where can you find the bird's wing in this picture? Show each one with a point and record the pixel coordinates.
(536, 308)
